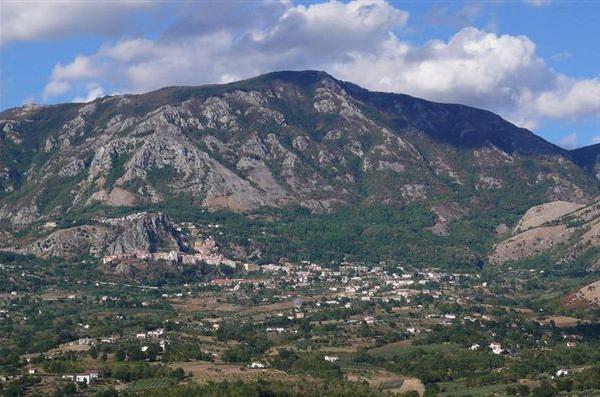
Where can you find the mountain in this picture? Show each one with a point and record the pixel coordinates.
(284, 142)
(587, 157)
(281, 139)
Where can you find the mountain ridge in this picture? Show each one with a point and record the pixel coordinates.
(277, 140)
(305, 76)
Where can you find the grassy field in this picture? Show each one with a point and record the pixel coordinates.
(203, 372)
(387, 381)
(457, 389)
(150, 384)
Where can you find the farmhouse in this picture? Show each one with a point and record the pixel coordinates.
(87, 377)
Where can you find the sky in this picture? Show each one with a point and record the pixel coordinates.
(534, 62)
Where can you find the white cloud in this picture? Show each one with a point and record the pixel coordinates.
(300, 37)
(472, 67)
(56, 87)
(49, 19)
(596, 139)
(569, 141)
(94, 91)
(570, 99)
(357, 41)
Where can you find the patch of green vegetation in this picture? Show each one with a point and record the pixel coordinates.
(56, 192)
(117, 169)
(144, 385)
(161, 177)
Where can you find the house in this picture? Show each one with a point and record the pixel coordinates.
(250, 267)
(496, 348)
(331, 359)
(562, 372)
(256, 364)
(87, 377)
(474, 347)
(155, 333)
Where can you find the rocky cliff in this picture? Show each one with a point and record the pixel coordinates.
(141, 232)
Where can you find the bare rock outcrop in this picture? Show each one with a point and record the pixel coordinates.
(143, 232)
(149, 232)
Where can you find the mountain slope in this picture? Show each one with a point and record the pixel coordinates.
(558, 232)
(281, 140)
(587, 157)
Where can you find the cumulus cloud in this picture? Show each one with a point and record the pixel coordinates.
(571, 98)
(443, 15)
(94, 91)
(359, 41)
(300, 37)
(56, 87)
(49, 19)
(471, 67)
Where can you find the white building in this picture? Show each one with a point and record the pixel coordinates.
(155, 333)
(562, 372)
(496, 348)
(87, 377)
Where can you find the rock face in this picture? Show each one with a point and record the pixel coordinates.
(68, 243)
(146, 233)
(285, 139)
(143, 232)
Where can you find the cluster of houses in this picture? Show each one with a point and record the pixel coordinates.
(86, 377)
(206, 252)
(175, 257)
(155, 333)
(345, 285)
(365, 283)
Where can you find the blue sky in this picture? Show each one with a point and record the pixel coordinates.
(533, 62)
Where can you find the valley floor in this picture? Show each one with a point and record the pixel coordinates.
(300, 329)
